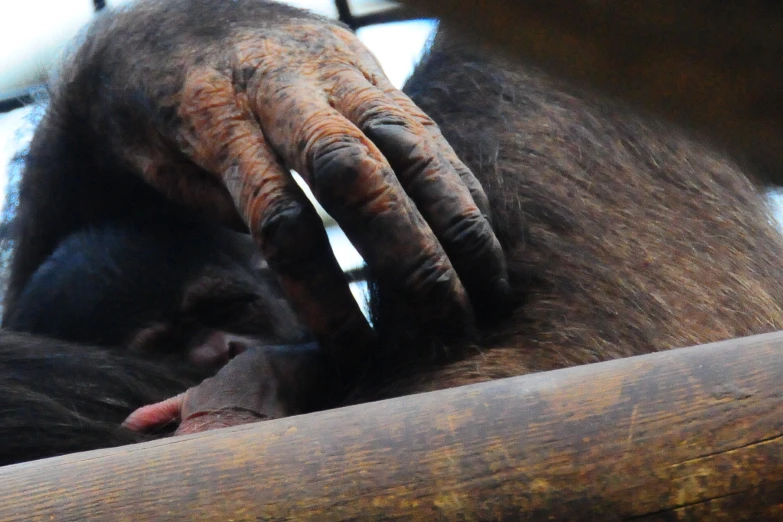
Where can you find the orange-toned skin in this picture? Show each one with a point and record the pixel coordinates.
(229, 131)
(215, 123)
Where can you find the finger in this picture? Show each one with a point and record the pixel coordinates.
(482, 264)
(443, 147)
(352, 180)
(445, 191)
(484, 273)
(155, 415)
(373, 73)
(225, 138)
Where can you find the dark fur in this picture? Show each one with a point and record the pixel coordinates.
(174, 276)
(623, 237)
(58, 398)
(82, 168)
(176, 280)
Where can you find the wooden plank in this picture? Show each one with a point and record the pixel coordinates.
(696, 432)
(709, 65)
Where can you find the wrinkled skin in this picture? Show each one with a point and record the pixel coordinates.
(260, 384)
(215, 104)
(621, 235)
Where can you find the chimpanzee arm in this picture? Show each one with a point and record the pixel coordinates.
(211, 103)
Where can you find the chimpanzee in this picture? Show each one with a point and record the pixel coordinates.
(171, 289)
(619, 234)
(167, 302)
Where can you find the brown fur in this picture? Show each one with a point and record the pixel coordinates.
(624, 236)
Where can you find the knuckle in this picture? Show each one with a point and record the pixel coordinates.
(433, 280)
(430, 277)
(469, 234)
(353, 183)
(403, 146)
(280, 224)
(381, 115)
(289, 236)
(335, 163)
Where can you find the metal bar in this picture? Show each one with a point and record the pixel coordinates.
(344, 13)
(18, 99)
(395, 14)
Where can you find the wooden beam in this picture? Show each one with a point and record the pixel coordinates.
(709, 65)
(690, 433)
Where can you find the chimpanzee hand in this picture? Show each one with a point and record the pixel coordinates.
(220, 99)
(262, 383)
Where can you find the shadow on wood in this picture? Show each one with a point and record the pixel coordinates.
(709, 65)
(693, 433)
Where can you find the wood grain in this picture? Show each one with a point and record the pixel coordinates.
(695, 433)
(709, 65)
